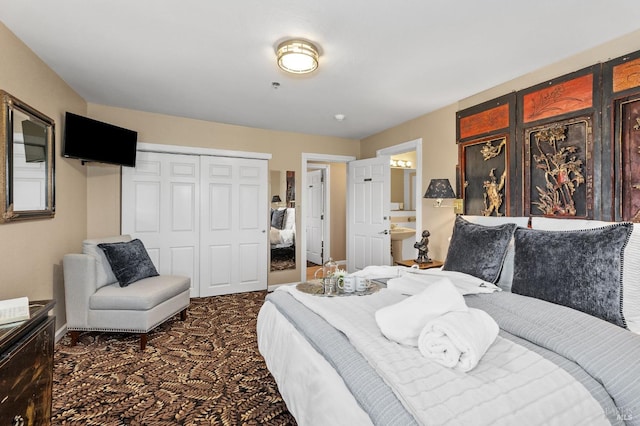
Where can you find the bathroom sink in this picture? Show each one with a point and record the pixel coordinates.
(399, 233)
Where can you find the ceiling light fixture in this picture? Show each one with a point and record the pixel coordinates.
(297, 56)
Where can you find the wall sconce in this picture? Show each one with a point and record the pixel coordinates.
(401, 164)
(439, 189)
(276, 200)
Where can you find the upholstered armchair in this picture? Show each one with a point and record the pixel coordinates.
(97, 301)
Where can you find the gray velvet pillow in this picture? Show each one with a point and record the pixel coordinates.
(278, 218)
(579, 269)
(478, 250)
(129, 261)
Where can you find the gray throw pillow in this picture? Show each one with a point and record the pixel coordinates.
(278, 218)
(578, 269)
(129, 261)
(478, 250)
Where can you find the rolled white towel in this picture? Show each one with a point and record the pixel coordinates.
(402, 322)
(375, 271)
(458, 340)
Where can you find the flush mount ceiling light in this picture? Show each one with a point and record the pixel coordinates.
(297, 56)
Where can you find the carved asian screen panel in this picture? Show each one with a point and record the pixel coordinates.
(621, 108)
(559, 169)
(626, 75)
(483, 122)
(558, 99)
(628, 122)
(484, 176)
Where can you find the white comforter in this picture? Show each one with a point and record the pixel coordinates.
(538, 389)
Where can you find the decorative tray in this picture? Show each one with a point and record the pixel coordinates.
(314, 287)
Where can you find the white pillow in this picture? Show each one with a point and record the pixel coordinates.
(104, 274)
(630, 266)
(290, 219)
(506, 275)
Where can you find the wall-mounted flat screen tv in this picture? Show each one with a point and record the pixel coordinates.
(92, 140)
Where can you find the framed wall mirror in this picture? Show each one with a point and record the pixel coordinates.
(282, 235)
(27, 188)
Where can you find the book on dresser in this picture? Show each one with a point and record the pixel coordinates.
(14, 310)
(26, 366)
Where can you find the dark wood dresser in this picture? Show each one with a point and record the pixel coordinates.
(26, 368)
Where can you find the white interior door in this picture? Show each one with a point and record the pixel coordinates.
(234, 224)
(368, 221)
(160, 199)
(315, 216)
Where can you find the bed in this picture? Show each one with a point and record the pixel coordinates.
(559, 357)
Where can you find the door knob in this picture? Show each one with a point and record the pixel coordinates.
(385, 232)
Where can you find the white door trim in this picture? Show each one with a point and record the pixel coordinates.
(413, 145)
(306, 157)
(179, 149)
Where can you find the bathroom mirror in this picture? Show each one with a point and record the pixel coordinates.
(27, 166)
(282, 235)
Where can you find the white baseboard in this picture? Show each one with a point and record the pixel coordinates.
(61, 332)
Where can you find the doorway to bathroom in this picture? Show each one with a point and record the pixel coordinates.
(339, 222)
(406, 197)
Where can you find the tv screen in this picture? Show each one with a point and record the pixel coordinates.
(92, 140)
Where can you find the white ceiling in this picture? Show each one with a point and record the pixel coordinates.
(382, 62)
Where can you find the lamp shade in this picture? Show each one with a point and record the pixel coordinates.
(276, 199)
(439, 188)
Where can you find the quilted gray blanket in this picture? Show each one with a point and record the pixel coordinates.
(602, 357)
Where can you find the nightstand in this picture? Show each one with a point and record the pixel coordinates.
(411, 262)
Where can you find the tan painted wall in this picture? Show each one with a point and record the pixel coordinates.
(338, 211)
(397, 185)
(88, 197)
(439, 158)
(104, 181)
(616, 48)
(277, 185)
(437, 130)
(31, 252)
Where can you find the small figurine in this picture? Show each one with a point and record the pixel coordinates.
(423, 248)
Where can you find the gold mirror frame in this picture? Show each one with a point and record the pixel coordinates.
(39, 168)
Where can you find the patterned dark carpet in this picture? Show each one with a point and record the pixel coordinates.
(205, 370)
(282, 264)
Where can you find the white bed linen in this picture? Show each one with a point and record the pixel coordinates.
(314, 393)
(413, 281)
(433, 393)
(282, 237)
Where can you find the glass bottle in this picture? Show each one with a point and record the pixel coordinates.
(329, 277)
